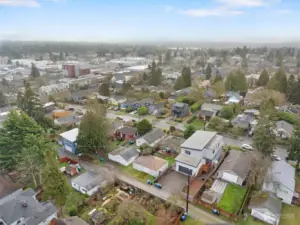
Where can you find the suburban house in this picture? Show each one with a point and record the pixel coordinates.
(22, 207)
(117, 100)
(68, 140)
(203, 148)
(243, 121)
(115, 125)
(280, 180)
(284, 129)
(266, 207)
(180, 110)
(171, 144)
(292, 109)
(88, 183)
(151, 138)
(157, 109)
(151, 165)
(123, 155)
(68, 120)
(126, 132)
(252, 112)
(144, 102)
(49, 107)
(209, 110)
(235, 167)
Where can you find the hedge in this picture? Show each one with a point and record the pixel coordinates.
(286, 117)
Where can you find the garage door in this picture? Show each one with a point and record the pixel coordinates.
(185, 170)
(229, 177)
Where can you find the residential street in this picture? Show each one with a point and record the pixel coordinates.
(109, 170)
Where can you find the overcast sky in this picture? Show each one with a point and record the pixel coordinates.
(150, 20)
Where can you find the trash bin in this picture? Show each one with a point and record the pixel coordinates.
(102, 160)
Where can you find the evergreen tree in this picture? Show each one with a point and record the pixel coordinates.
(279, 81)
(156, 75)
(236, 81)
(186, 76)
(208, 71)
(294, 147)
(217, 78)
(93, 130)
(168, 57)
(263, 78)
(160, 60)
(104, 89)
(55, 186)
(179, 83)
(34, 71)
(2, 99)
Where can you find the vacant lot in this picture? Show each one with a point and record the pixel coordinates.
(232, 198)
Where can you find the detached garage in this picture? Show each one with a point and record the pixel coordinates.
(124, 156)
(235, 167)
(151, 165)
(266, 207)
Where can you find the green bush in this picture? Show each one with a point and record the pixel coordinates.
(195, 107)
(179, 120)
(191, 119)
(227, 112)
(72, 211)
(186, 99)
(288, 117)
(128, 110)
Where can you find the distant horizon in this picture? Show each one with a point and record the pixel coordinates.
(119, 21)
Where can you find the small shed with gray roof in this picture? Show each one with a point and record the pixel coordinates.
(266, 207)
(88, 183)
(123, 155)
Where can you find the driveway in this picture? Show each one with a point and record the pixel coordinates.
(173, 182)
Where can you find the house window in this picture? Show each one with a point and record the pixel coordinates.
(187, 152)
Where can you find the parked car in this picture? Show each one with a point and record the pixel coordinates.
(247, 147)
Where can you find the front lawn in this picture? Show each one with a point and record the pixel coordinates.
(290, 215)
(129, 170)
(232, 198)
(199, 124)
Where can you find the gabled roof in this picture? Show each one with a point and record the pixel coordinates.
(209, 106)
(283, 173)
(70, 135)
(126, 153)
(89, 180)
(266, 200)
(281, 124)
(237, 162)
(199, 140)
(153, 135)
(127, 130)
(151, 162)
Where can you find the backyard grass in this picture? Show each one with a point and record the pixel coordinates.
(143, 177)
(290, 215)
(199, 124)
(170, 159)
(232, 198)
(115, 143)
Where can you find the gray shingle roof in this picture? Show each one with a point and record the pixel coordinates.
(154, 135)
(23, 205)
(238, 162)
(189, 160)
(266, 200)
(89, 180)
(126, 153)
(127, 130)
(199, 140)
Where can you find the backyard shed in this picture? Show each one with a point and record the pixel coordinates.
(124, 156)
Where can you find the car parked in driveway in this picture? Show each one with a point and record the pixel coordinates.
(275, 157)
(247, 147)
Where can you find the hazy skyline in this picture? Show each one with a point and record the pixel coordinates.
(153, 20)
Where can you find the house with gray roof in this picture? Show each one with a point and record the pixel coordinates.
(171, 144)
(88, 183)
(180, 110)
(202, 148)
(284, 129)
(123, 155)
(280, 180)
(151, 138)
(22, 208)
(266, 207)
(235, 167)
(243, 121)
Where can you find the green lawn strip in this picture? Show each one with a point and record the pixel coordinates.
(198, 124)
(190, 221)
(170, 159)
(290, 215)
(129, 170)
(232, 198)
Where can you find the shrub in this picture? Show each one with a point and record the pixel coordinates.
(288, 117)
(143, 127)
(195, 107)
(72, 211)
(143, 110)
(189, 131)
(128, 110)
(191, 119)
(179, 120)
(172, 129)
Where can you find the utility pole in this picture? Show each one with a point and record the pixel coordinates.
(187, 195)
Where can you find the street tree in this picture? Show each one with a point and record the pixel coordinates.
(93, 130)
(143, 127)
(143, 110)
(263, 78)
(294, 147)
(104, 89)
(264, 136)
(55, 186)
(34, 71)
(189, 131)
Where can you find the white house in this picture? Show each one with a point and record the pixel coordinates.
(151, 138)
(235, 167)
(280, 180)
(201, 148)
(151, 165)
(124, 156)
(22, 207)
(266, 207)
(88, 183)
